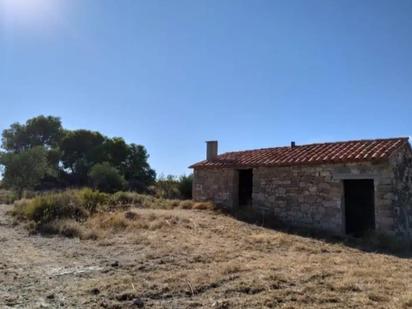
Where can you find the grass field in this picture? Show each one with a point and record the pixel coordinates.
(185, 258)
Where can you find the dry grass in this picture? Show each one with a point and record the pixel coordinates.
(179, 258)
(68, 228)
(182, 254)
(104, 224)
(7, 197)
(66, 212)
(183, 259)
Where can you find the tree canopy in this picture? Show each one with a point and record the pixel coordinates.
(24, 170)
(38, 131)
(106, 178)
(71, 158)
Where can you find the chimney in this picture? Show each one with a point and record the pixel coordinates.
(292, 144)
(211, 153)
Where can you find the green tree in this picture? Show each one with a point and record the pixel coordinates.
(167, 187)
(45, 131)
(136, 169)
(106, 178)
(173, 187)
(72, 154)
(40, 131)
(24, 170)
(185, 186)
(115, 151)
(80, 151)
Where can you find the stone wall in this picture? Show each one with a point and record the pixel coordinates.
(402, 192)
(313, 196)
(299, 196)
(217, 185)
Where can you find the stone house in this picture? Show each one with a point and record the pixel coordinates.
(343, 187)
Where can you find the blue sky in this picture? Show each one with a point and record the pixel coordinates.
(173, 74)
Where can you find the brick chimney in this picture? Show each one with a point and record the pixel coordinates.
(211, 152)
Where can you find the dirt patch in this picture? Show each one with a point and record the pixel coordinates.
(189, 258)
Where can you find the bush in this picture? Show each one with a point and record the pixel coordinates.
(204, 206)
(167, 187)
(185, 186)
(46, 208)
(174, 188)
(91, 200)
(70, 213)
(67, 228)
(126, 198)
(7, 197)
(106, 178)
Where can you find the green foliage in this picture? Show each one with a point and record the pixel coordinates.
(115, 151)
(185, 186)
(91, 199)
(136, 169)
(126, 198)
(7, 197)
(71, 155)
(38, 131)
(46, 208)
(24, 170)
(69, 204)
(174, 188)
(79, 151)
(106, 178)
(60, 212)
(167, 187)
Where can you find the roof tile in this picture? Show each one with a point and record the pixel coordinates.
(338, 152)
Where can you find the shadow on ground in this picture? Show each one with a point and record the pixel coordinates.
(371, 242)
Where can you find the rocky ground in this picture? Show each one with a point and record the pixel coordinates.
(192, 259)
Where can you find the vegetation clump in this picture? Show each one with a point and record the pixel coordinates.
(48, 207)
(174, 187)
(7, 197)
(106, 178)
(41, 155)
(62, 212)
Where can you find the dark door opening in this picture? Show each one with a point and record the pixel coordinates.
(359, 206)
(245, 187)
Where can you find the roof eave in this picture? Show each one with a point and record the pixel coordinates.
(237, 166)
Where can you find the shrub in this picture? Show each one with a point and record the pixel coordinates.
(80, 213)
(186, 204)
(167, 187)
(91, 200)
(203, 206)
(185, 186)
(106, 178)
(67, 228)
(171, 187)
(125, 198)
(7, 197)
(46, 208)
(116, 221)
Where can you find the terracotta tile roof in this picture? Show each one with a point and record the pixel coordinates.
(338, 152)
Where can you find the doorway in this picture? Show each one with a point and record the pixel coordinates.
(359, 206)
(245, 187)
